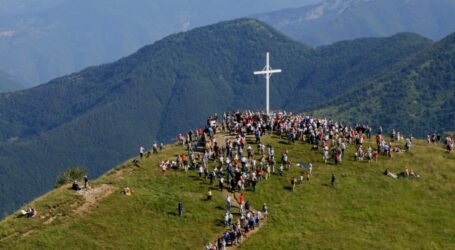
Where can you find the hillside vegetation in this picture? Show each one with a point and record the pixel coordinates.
(98, 117)
(416, 96)
(365, 210)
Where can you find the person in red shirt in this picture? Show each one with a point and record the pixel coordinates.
(242, 198)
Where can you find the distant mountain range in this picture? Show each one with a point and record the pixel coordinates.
(42, 40)
(7, 83)
(101, 115)
(336, 20)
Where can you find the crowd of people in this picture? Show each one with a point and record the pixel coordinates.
(242, 160)
(238, 166)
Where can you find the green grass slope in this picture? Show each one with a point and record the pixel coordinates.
(365, 210)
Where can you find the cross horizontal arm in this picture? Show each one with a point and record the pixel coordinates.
(267, 72)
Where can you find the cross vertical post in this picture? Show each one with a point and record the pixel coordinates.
(267, 71)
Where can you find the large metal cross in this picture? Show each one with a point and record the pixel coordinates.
(267, 71)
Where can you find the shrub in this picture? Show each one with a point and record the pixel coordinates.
(71, 174)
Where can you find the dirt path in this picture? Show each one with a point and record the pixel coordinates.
(92, 196)
(256, 229)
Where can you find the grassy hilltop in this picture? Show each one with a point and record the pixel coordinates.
(365, 210)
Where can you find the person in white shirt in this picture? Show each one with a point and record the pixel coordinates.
(141, 152)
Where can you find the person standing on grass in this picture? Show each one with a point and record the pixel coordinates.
(226, 219)
(310, 168)
(209, 194)
(85, 181)
(221, 183)
(293, 183)
(265, 210)
(241, 198)
(333, 180)
(228, 203)
(141, 152)
(201, 170)
(163, 168)
(254, 181)
(185, 162)
(180, 208)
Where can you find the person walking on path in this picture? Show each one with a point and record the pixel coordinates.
(180, 208)
(334, 178)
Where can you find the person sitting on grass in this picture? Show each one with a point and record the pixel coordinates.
(126, 191)
(29, 213)
(390, 174)
(412, 173)
(406, 172)
(75, 186)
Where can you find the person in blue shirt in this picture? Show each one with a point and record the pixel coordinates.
(180, 208)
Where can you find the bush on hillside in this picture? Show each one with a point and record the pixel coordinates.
(71, 174)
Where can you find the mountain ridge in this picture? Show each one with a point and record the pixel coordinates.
(408, 83)
(335, 20)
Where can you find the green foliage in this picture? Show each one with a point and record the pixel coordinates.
(416, 96)
(71, 174)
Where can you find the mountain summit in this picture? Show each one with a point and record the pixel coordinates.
(101, 115)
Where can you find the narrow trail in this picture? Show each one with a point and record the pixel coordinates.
(93, 196)
(256, 229)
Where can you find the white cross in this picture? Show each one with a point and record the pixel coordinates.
(267, 71)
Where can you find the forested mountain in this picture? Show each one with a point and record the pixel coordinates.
(416, 96)
(7, 83)
(101, 115)
(42, 40)
(336, 20)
